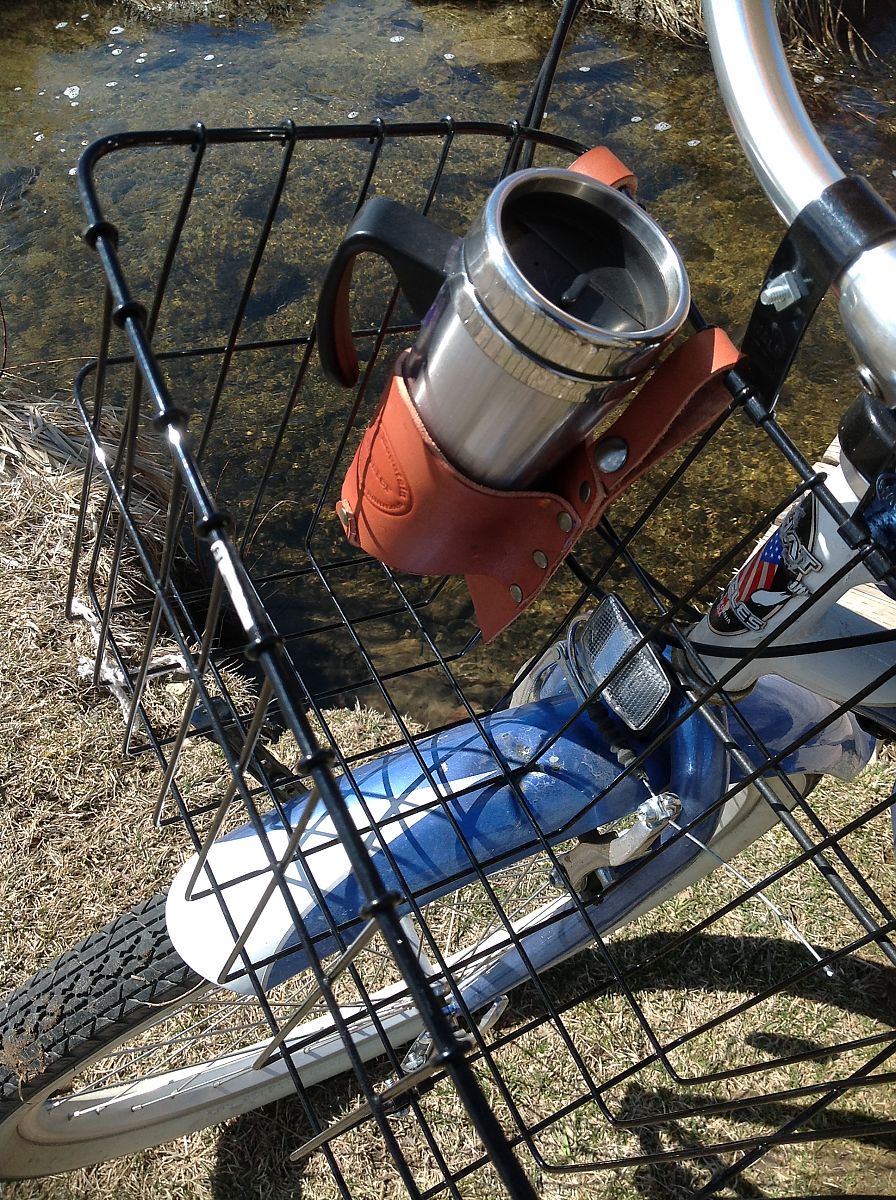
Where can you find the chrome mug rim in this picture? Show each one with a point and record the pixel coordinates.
(538, 325)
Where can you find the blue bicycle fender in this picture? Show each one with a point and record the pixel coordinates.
(790, 721)
(426, 834)
(699, 775)
(782, 717)
(436, 843)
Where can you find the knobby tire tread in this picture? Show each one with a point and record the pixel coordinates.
(98, 991)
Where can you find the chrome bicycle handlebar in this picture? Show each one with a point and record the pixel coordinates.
(787, 156)
(794, 167)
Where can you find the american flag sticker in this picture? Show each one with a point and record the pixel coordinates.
(759, 573)
(772, 577)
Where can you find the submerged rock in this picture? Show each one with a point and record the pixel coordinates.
(15, 182)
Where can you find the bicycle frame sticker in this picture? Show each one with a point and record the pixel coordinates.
(772, 577)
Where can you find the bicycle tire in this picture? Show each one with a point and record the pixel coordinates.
(77, 1008)
(119, 983)
(128, 979)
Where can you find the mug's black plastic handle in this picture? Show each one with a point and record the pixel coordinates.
(415, 247)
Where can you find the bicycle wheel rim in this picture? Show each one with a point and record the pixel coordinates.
(61, 1130)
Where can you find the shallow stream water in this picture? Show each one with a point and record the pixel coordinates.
(73, 71)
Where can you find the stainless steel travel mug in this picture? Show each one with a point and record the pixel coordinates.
(563, 290)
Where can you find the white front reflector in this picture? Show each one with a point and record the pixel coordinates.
(597, 645)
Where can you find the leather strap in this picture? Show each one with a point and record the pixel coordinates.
(601, 163)
(683, 397)
(406, 505)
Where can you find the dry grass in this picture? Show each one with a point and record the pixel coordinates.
(72, 808)
(821, 25)
(76, 844)
(196, 10)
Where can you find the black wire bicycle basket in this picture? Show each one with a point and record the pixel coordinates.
(719, 1037)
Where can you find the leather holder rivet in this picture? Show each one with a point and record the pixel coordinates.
(611, 455)
(516, 593)
(344, 512)
(540, 559)
(584, 491)
(564, 520)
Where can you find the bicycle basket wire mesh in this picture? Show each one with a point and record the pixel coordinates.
(269, 667)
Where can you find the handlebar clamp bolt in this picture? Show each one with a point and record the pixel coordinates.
(782, 291)
(869, 382)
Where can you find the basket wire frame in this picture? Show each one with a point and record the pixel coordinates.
(267, 650)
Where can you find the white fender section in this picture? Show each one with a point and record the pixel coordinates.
(241, 867)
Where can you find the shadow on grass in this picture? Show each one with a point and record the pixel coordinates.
(253, 1151)
(686, 1176)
